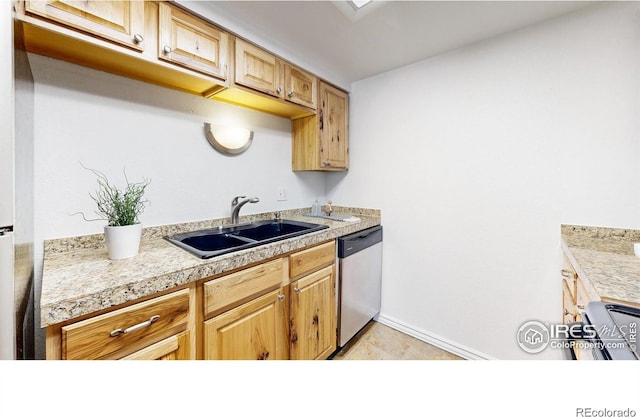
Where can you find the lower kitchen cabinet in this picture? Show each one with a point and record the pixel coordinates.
(296, 320)
(175, 347)
(312, 326)
(254, 330)
(158, 328)
(282, 308)
(575, 297)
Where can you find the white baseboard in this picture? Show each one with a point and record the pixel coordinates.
(433, 339)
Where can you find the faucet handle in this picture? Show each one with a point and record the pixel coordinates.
(328, 209)
(235, 199)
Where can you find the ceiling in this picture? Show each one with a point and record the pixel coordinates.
(332, 40)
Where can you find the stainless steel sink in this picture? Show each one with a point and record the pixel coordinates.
(208, 243)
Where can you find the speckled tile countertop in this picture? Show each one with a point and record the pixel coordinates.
(78, 277)
(604, 256)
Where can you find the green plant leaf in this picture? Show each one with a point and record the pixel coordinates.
(118, 207)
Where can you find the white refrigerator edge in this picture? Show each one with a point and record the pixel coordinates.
(7, 293)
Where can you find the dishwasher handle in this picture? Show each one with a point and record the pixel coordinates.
(355, 242)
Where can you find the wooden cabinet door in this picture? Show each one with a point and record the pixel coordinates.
(117, 21)
(254, 330)
(172, 348)
(191, 42)
(568, 305)
(300, 87)
(257, 69)
(312, 328)
(333, 125)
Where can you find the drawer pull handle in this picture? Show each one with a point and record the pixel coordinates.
(568, 274)
(297, 290)
(118, 332)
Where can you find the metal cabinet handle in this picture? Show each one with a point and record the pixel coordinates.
(580, 306)
(167, 49)
(297, 290)
(290, 94)
(281, 297)
(568, 274)
(279, 90)
(137, 38)
(118, 332)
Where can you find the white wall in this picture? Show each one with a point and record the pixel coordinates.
(109, 123)
(477, 156)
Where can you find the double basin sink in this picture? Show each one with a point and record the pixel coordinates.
(217, 241)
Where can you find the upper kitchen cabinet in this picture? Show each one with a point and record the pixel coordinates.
(258, 69)
(302, 87)
(262, 81)
(321, 141)
(118, 21)
(164, 43)
(191, 42)
(122, 37)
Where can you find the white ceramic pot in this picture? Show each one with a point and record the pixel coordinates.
(123, 241)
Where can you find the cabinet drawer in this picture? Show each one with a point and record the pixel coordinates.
(311, 259)
(242, 285)
(98, 337)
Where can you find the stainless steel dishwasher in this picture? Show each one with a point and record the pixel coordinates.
(359, 281)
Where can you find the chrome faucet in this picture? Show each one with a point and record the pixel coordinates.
(236, 205)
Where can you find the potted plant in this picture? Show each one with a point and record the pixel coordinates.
(121, 208)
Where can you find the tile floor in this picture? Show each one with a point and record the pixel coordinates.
(377, 341)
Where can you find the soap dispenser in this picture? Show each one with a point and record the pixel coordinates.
(315, 209)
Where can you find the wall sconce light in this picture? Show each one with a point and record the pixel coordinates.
(228, 140)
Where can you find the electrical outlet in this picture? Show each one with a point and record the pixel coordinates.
(282, 194)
